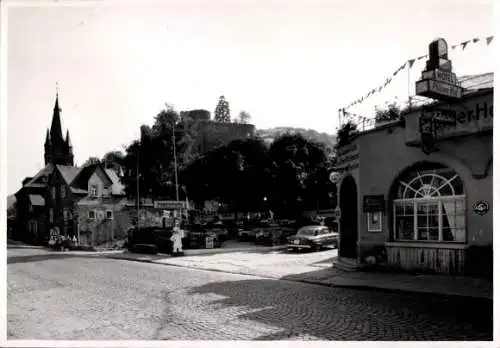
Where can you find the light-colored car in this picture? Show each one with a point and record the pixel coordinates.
(313, 238)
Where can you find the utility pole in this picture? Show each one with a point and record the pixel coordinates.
(137, 177)
(175, 165)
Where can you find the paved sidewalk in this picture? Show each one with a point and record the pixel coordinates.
(316, 268)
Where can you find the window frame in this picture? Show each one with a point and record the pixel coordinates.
(62, 191)
(110, 217)
(93, 213)
(92, 190)
(439, 201)
(106, 191)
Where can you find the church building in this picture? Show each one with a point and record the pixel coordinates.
(79, 201)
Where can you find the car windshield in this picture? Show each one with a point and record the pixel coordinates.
(308, 231)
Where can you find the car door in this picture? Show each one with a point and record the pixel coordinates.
(330, 237)
(322, 236)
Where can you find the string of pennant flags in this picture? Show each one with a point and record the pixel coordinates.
(366, 122)
(410, 63)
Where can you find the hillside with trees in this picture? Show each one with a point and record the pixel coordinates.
(268, 135)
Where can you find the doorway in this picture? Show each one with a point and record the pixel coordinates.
(349, 218)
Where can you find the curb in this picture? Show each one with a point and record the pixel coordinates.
(314, 282)
(226, 251)
(395, 290)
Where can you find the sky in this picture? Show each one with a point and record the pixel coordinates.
(288, 63)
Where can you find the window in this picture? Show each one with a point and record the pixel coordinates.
(107, 191)
(93, 191)
(430, 206)
(109, 214)
(53, 193)
(51, 215)
(62, 190)
(66, 214)
(92, 214)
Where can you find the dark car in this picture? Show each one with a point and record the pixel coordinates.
(195, 236)
(150, 240)
(219, 229)
(268, 234)
(234, 227)
(248, 231)
(313, 238)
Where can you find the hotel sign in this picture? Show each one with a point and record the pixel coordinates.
(438, 81)
(373, 203)
(433, 88)
(468, 117)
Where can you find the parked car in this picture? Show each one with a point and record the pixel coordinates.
(268, 234)
(195, 237)
(149, 240)
(247, 232)
(219, 229)
(313, 238)
(234, 227)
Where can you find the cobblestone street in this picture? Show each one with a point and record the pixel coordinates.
(95, 298)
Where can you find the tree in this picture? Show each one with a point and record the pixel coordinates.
(244, 117)
(345, 133)
(222, 112)
(90, 161)
(12, 210)
(391, 113)
(235, 174)
(114, 160)
(155, 153)
(298, 167)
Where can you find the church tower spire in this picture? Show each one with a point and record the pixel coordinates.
(55, 128)
(57, 149)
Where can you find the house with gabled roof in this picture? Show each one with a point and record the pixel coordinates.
(80, 201)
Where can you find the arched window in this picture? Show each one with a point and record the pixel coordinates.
(429, 205)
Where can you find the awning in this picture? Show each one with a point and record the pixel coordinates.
(37, 200)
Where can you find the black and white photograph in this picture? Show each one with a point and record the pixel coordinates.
(234, 170)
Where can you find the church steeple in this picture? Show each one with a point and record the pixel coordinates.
(57, 149)
(55, 128)
(68, 140)
(47, 138)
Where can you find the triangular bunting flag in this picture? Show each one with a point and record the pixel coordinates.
(411, 62)
(453, 47)
(464, 44)
(488, 39)
(395, 73)
(422, 57)
(476, 39)
(380, 88)
(403, 66)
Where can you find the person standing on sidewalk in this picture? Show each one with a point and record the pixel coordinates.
(176, 239)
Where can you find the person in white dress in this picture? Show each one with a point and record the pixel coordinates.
(177, 238)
